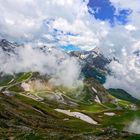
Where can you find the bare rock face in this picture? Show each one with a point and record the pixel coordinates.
(7, 46)
(97, 90)
(93, 57)
(94, 63)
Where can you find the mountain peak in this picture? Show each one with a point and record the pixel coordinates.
(96, 50)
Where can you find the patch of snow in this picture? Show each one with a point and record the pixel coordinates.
(97, 99)
(109, 113)
(66, 119)
(78, 115)
(94, 56)
(94, 89)
(82, 56)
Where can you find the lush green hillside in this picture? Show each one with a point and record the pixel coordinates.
(32, 115)
(121, 94)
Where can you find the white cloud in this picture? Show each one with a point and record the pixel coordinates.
(126, 75)
(25, 20)
(126, 4)
(130, 27)
(134, 127)
(63, 69)
(130, 5)
(125, 40)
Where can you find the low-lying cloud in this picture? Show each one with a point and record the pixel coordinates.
(126, 75)
(134, 127)
(63, 69)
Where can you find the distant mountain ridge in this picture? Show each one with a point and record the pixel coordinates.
(94, 63)
(93, 57)
(7, 46)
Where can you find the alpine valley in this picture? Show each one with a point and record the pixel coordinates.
(35, 107)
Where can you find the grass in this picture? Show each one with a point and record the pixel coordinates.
(123, 95)
(95, 108)
(124, 104)
(51, 124)
(19, 111)
(4, 80)
(121, 119)
(21, 77)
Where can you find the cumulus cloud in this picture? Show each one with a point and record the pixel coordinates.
(64, 22)
(131, 5)
(130, 27)
(51, 22)
(126, 75)
(62, 69)
(123, 45)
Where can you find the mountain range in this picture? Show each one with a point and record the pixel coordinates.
(32, 108)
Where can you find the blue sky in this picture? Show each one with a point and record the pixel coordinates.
(70, 47)
(103, 10)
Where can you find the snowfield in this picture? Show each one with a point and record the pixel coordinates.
(78, 115)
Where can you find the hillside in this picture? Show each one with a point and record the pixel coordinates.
(31, 114)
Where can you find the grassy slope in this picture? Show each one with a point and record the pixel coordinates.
(121, 94)
(25, 118)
